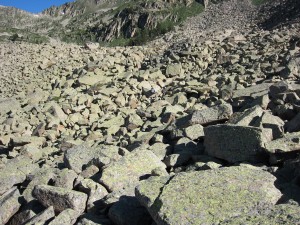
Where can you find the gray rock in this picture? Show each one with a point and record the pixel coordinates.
(226, 193)
(160, 150)
(288, 143)
(252, 91)
(246, 118)
(82, 156)
(95, 193)
(66, 217)
(24, 140)
(206, 116)
(130, 169)
(194, 132)
(42, 218)
(9, 205)
(15, 172)
(174, 70)
(7, 105)
(235, 143)
(65, 179)
(60, 198)
(273, 123)
(176, 160)
(128, 211)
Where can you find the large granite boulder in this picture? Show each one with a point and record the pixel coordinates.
(208, 197)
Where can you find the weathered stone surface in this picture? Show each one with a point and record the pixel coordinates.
(60, 198)
(128, 211)
(226, 192)
(194, 132)
(130, 169)
(206, 116)
(43, 217)
(235, 143)
(67, 217)
(9, 204)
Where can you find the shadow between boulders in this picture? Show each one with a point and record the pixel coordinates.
(288, 181)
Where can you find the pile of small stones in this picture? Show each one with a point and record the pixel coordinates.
(201, 132)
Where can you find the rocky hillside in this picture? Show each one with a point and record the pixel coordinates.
(123, 22)
(200, 126)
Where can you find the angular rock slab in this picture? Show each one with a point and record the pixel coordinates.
(208, 197)
(42, 218)
(60, 198)
(66, 217)
(206, 116)
(9, 205)
(235, 143)
(130, 169)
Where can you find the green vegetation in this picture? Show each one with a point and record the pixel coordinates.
(22, 35)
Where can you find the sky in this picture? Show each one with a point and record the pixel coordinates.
(34, 6)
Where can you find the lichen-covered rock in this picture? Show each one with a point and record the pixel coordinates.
(130, 169)
(208, 197)
(279, 215)
(235, 143)
(60, 198)
(9, 205)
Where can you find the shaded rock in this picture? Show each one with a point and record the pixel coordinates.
(160, 150)
(128, 211)
(226, 193)
(252, 91)
(280, 87)
(42, 218)
(130, 169)
(9, 205)
(235, 143)
(60, 198)
(294, 124)
(66, 217)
